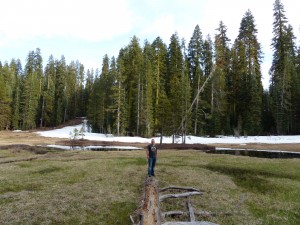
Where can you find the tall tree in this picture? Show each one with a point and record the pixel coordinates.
(133, 72)
(5, 96)
(60, 96)
(32, 89)
(249, 96)
(195, 59)
(159, 62)
(48, 95)
(17, 73)
(147, 84)
(208, 94)
(281, 70)
(219, 90)
(176, 83)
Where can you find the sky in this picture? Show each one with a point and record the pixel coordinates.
(86, 30)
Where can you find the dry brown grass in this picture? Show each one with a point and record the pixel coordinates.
(25, 137)
(73, 187)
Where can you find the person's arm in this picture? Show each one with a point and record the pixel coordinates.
(156, 153)
(147, 152)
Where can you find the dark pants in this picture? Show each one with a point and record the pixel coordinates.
(151, 163)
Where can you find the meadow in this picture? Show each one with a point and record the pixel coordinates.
(86, 187)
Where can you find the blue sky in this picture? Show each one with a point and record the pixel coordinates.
(86, 30)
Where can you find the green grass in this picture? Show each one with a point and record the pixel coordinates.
(70, 187)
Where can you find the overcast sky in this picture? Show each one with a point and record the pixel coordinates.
(88, 29)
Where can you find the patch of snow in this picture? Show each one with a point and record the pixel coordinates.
(65, 133)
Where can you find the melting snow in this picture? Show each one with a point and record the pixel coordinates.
(66, 133)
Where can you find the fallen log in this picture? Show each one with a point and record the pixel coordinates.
(181, 195)
(190, 223)
(179, 188)
(150, 212)
(191, 210)
(201, 213)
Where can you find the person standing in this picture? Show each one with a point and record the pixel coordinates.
(151, 152)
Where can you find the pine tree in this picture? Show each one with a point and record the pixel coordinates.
(5, 97)
(207, 96)
(118, 89)
(195, 59)
(32, 89)
(48, 98)
(281, 70)
(159, 79)
(249, 96)
(60, 95)
(71, 91)
(296, 95)
(16, 68)
(219, 89)
(133, 62)
(176, 83)
(147, 84)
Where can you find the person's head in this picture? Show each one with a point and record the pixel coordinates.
(152, 141)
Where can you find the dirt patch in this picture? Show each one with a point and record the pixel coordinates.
(24, 137)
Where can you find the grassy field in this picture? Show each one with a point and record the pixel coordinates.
(68, 187)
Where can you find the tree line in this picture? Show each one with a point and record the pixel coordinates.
(150, 89)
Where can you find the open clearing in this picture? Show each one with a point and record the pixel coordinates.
(85, 187)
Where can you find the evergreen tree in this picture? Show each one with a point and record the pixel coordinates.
(195, 59)
(5, 97)
(219, 88)
(281, 70)
(60, 95)
(147, 83)
(16, 68)
(249, 96)
(159, 62)
(32, 89)
(48, 98)
(207, 96)
(133, 71)
(118, 89)
(296, 95)
(176, 83)
(71, 91)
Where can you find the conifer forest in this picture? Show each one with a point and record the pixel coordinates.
(203, 86)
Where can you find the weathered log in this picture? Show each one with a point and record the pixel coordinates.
(150, 212)
(182, 195)
(179, 188)
(206, 213)
(191, 210)
(190, 223)
(200, 213)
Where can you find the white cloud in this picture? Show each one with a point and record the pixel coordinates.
(164, 26)
(91, 20)
(105, 22)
